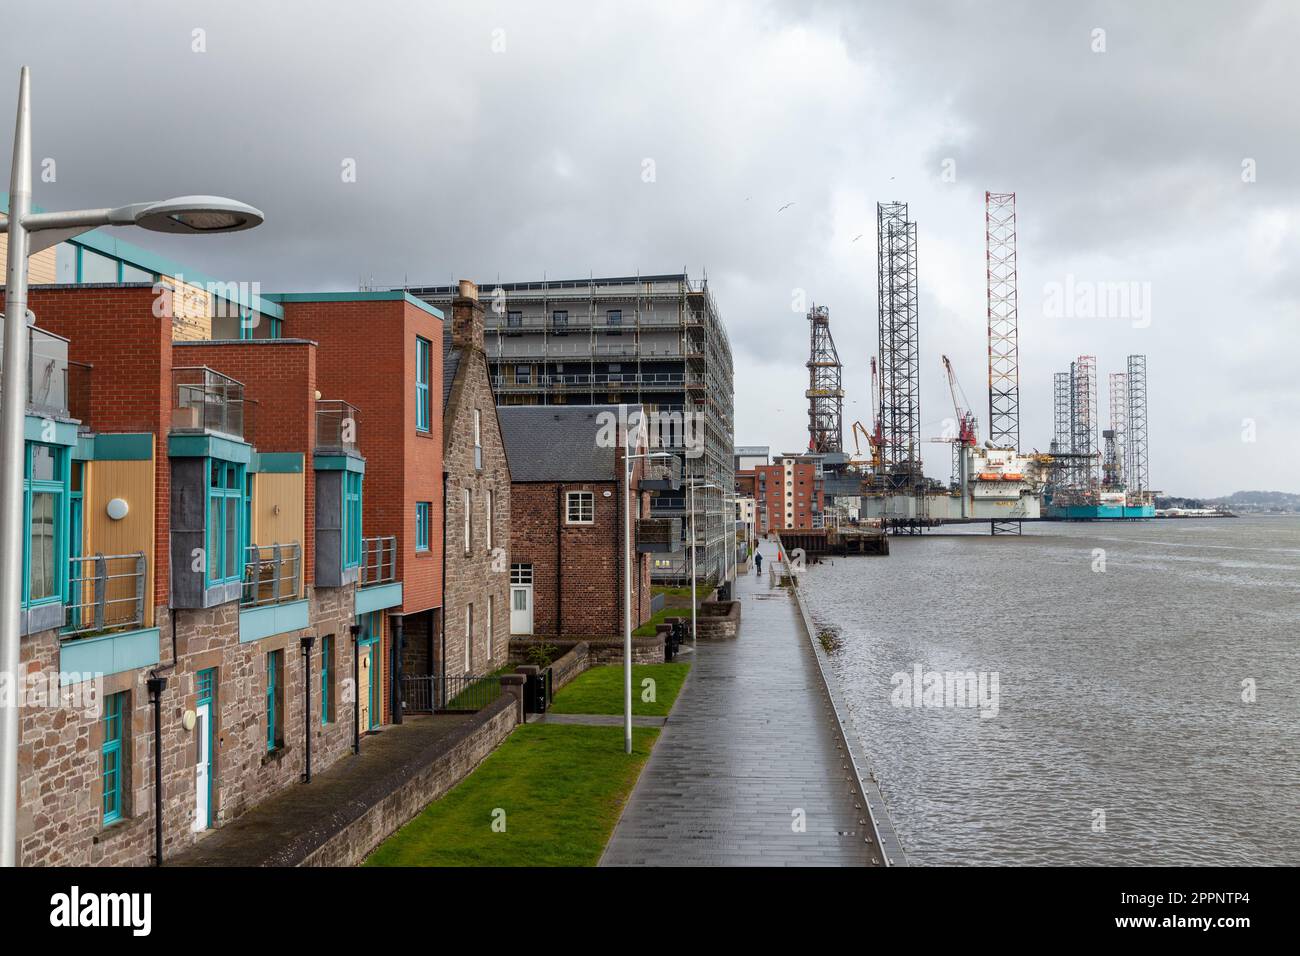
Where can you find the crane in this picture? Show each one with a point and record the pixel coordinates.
(875, 437)
(967, 427)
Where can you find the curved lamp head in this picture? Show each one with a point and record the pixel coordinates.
(197, 214)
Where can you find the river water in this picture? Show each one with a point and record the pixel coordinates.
(1120, 735)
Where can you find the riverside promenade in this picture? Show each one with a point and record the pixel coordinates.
(749, 769)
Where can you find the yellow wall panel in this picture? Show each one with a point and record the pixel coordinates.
(133, 482)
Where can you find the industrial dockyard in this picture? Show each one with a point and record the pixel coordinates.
(1086, 473)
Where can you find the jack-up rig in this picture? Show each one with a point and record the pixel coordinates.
(991, 481)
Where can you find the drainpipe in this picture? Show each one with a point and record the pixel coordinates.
(356, 687)
(305, 643)
(156, 686)
(398, 628)
(441, 662)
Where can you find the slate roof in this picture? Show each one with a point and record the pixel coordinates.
(557, 442)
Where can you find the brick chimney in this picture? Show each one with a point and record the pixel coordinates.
(467, 317)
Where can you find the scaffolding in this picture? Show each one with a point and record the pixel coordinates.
(825, 388)
(1004, 359)
(1112, 459)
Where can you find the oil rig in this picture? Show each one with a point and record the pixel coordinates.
(993, 481)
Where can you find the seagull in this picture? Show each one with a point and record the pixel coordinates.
(857, 237)
(785, 207)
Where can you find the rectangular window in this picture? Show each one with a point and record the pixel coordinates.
(614, 321)
(423, 408)
(580, 507)
(560, 322)
(469, 636)
(96, 268)
(489, 502)
(422, 525)
(227, 521)
(44, 504)
(351, 519)
(111, 764)
(327, 679)
(478, 439)
(274, 700)
(468, 504)
(521, 574)
(514, 320)
(491, 615)
(523, 375)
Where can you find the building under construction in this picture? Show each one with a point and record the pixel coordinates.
(1093, 479)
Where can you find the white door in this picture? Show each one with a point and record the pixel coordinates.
(521, 609)
(202, 768)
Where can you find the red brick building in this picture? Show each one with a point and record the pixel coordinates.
(788, 494)
(568, 553)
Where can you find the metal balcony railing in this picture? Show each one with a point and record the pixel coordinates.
(105, 592)
(378, 560)
(271, 574)
(206, 400)
(465, 693)
(337, 425)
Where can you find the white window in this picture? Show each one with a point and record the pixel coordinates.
(581, 507)
(492, 606)
(469, 636)
(469, 520)
(488, 503)
(521, 574)
(478, 439)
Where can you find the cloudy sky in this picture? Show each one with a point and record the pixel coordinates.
(1152, 146)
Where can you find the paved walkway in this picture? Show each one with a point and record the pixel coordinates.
(749, 742)
(599, 720)
(285, 829)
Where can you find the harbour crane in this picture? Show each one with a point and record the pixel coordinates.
(967, 435)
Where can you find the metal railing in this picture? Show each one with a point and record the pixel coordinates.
(271, 574)
(439, 693)
(378, 560)
(105, 592)
(336, 424)
(206, 400)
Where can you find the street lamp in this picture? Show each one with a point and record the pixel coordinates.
(30, 233)
(627, 583)
(690, 494)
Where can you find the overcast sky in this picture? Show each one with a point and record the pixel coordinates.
(514, 139)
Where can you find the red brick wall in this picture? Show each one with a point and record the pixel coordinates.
(367, 357)
(776, 500)
(115, 330)
(279, 378)
(590, 584)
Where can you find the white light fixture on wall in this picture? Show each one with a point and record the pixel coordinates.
(118, 509)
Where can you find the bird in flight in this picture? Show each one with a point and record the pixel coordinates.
(785, 207)
(857, 237)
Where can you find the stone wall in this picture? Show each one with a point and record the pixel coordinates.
(459, 755)
(600, 650)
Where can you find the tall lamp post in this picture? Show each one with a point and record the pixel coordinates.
(30, 233)
(690, 494)
(628, 457)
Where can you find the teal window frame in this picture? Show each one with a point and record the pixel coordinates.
(423, 509)
(232, 493)
(423, 407)
(58, 487)
(274, 705)
(326, 678)
(110, 758)
(352, 501)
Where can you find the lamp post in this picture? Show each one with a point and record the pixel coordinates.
(690, 494)
(628, 456)
(30, 233)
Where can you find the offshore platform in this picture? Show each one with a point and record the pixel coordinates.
(991, 481)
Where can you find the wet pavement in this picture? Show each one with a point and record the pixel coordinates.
(748, 770)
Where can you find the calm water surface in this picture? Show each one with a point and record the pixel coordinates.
(1119, 691)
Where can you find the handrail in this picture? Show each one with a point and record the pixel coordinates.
(378, 560)
(271, 574)
(105, 592)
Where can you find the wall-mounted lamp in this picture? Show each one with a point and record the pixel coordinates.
(117, 509)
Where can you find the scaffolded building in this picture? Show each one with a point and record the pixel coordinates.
(655, 341)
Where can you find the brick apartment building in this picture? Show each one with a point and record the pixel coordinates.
(789, 494)
(568, 555)
(475, 637)
(205, 489)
